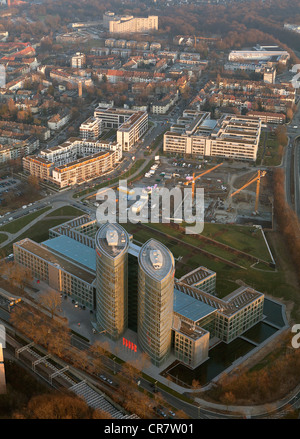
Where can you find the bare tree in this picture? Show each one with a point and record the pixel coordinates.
(51, 300)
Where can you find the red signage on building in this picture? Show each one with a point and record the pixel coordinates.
(129, 344)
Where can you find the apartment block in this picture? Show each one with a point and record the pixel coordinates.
(78, 60)
(130, 24)
(130, 124)
(91, 128)
(74, 162)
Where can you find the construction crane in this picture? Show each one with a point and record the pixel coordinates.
(257, 178)
(193, 181)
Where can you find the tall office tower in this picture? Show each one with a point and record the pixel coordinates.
(155, 300)
(111, 279)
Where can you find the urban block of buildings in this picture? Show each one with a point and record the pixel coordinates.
(134, 287)
(231, 137)
(131, 125)
(74, 162)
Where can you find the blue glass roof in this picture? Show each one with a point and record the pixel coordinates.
(190, 307)
(74, 250)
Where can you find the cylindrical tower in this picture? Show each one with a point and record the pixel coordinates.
(111, 279)
(155, 300)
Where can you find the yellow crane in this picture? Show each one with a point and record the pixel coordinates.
(257, 178)
(193, 181)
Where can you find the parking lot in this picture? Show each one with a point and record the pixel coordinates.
(7, 184)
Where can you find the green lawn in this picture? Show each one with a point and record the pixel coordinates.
(245, 238)
(40, 231)
(66, 211)
(272, 156)
(18, 224)
(269, 282)
(3, 237)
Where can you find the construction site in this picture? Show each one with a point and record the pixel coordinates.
(234, 193)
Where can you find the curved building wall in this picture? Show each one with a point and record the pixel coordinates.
(111, 282)
(155, 302)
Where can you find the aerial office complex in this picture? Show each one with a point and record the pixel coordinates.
(134, 287)
(235, 137)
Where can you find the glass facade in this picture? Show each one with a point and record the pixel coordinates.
(111, 281)
(155, 303)
(132, 292)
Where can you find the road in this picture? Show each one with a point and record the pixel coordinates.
(66, 197)
(292, 159)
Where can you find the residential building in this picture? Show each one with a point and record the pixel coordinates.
(266, 117)
(130, 124)
(130, 24)
(91, 128)
(78, 61)
(15, 149)
(269, 75)
(58, 121)
(74, 162)
(163, 105)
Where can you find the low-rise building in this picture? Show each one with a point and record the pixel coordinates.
(163, 105)
(58, 121)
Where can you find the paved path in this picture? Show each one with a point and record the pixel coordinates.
(13, 236)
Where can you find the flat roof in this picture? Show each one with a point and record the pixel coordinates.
(196, 276)
(74, 250)
(189, 307)
(44, 253)
(209, 123)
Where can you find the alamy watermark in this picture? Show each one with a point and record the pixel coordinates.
(295, 83)
(2, 336)
(2, 76)
(296, 338)
(154, 205)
